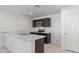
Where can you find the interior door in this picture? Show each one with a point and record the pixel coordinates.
(70, 31)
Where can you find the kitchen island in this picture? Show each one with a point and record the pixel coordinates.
(24, 43)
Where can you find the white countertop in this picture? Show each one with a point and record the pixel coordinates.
(25, 37)
(33, 37)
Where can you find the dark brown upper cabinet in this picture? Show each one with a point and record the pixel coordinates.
(45, 22)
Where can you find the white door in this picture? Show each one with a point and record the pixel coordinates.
(69, 29)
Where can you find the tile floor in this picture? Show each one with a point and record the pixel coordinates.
(54, 48)
(4, 50)
(48, 48)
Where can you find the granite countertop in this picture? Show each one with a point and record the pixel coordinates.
(25, 37)
(33, 37)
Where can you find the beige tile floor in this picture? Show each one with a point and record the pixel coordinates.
(4, 50)
(48, 48)
(54, 48)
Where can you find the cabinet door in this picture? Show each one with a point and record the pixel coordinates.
(33, 23)
(47, 22)
(39, 23)
(36, 23)
(39, 46)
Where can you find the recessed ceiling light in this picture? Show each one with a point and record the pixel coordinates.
(37, 6)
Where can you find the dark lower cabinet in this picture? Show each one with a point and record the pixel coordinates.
(39, 46)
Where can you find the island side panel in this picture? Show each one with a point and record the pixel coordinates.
(16, 45)
(39, 46)
(32, 46)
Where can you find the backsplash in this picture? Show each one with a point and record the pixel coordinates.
(47, 29)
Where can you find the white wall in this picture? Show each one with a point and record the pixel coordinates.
(55, 27)
(10, 21)
(14, 22)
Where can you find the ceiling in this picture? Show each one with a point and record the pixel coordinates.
(31, 10)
